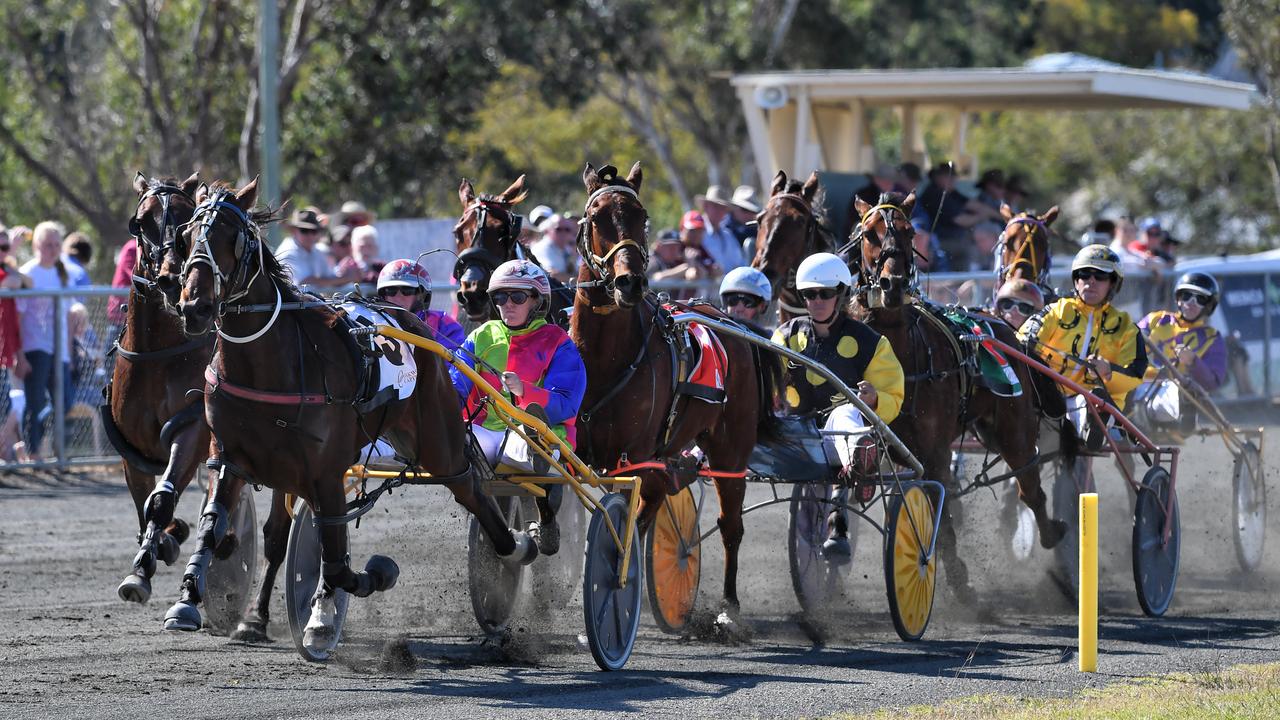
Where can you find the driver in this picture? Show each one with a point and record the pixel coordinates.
(855, 353)
(1187, 342)
(745, 294)
(407, 284)
(1086, 327)
(1017, 301)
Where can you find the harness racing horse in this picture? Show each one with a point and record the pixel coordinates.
(942, 401)
(281, 394)
(632, 411)
(1024, 247)
(788, 231)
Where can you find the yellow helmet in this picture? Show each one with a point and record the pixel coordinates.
(1100, 257)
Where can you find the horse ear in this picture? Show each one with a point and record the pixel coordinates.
(635, 177)
(140, 183)
(779, 183)
(1006, 212)
(189, 185)
(516, 192)
(466, 193)
(202, 192)
(247, 195)
(590, 179)
(862, 206)
(810, 186)
(909, 203)
(1050, 216)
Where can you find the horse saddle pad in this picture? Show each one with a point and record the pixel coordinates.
(707, 367)
(993, 369)
(395, 373)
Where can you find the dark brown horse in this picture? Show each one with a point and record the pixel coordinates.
(942, 401)
(281, 400)
(788, 231)
(487, 235)
(1024, 246)
(632, 412)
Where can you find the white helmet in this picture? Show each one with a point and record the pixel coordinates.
(746, 280)
(823, 270)
(523, 275)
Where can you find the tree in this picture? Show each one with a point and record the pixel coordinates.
(1252, 26)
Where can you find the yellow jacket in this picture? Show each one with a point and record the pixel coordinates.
(1111, 335)
(854, 352)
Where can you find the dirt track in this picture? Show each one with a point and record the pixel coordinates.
(69, 648)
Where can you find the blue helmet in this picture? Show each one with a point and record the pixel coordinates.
(746, 280)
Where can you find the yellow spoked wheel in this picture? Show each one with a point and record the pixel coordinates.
(909, 572)
(673, 561)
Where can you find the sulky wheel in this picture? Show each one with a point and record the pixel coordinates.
(301, 579)
(673, 561)
(1069, 482)
(1249, 507)
(1155, 561)
(816, 580)
(910, 571)
(494, 583)
(231, 578)
(612, 613)
(554, 579)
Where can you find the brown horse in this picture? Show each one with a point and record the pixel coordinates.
(1024, 246)
(487, 235)
(632, 412)
(788, 231)
(281, 400)
(941, 401)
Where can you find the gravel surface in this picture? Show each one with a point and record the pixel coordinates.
(69, 648)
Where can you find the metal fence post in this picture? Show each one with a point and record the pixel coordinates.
(59, 391)
(1266, 335)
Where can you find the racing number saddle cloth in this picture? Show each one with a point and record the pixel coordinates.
(701, 360)
(390, 371)
(993, 369)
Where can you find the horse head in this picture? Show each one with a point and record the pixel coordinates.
(220, 250)
(164, 207)
(487, 235)
(882, 248)
(786, 231)
(612, 238)
(1024, 244)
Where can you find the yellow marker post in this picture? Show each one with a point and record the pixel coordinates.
(1088, 582)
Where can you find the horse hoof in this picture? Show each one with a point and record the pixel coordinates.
(251, 631)
(547, 536)
(227, 547)
(1057, 531)
(319, 640)
(183, 616)
(167, 548)
(383, 571)
(526, 550)
(179, 530)
(836, 550)
(136, 589)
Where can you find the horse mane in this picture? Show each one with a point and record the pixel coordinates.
(263, 216)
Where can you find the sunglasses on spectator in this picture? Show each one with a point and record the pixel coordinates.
(394, 291)
(519, 297)
(818, 293)
(5, 247)
(1090, 274)
(1007, 304)
(1195, 298)
(309, 231)
(749, 302)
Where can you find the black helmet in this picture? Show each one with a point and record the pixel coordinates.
(1202, 283)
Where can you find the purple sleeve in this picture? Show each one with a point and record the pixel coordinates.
(1210, 369)
(452, 333)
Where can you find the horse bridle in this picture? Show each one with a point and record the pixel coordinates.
(598, 264)
(476, 255)
(151, 255)
(1041, 274)
(868, 277)
(810, 244)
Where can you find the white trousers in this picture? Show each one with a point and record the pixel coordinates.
(844, 426)
(502, 447)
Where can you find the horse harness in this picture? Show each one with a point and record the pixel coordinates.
(812, 244)
(476, 255)
(151, 255)
(598, 264)
(1025, 252)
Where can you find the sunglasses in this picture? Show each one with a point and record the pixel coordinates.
(519, 297)
(1088, 274)
(394, 291)
(749, 302)
(5, 247)
(1187, 296)
(818, 293)
(1007, 304)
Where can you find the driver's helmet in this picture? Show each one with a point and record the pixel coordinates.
(404, 273)
(1100, 257)
(746, 280)
(823, 270)
(1201, 284)
(523, 275)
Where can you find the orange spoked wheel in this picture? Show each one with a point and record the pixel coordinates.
(909, 570)
(673, 562)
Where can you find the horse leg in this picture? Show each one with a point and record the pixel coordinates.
(1031, 492)
(731, 492)
(184, 614)
(938, 465)
(548, 528)
(275, 537)
(512, 545)
(161, 534)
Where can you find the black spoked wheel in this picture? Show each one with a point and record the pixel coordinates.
(1071, 480)
(1155, 559)
(494, 583)
(611, 613)
(553, 580)
(816, 580)
(1249, 507)
(231, 579)
(302, 579)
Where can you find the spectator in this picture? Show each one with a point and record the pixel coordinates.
(1167, 250)
(354, 214)
(339, 244)
(948, 212)
(907, 180)
(298, 253)
(36, 332)
(692, 236)
(1103, 232)
(126, 262)
(19, 240)
(87, 374)
(929, 257)
(539, 215)
(985, 236)
(363, 265)
(718, 240)
(12, 361)
(991, 189)
(880, 181)
(668, 261)
(1016, 192)
(555, 250)
(743, 209)
(77, 250)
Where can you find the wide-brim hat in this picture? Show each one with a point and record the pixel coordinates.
(744, 198)
(715, 194)
(355, 213)
(307, 218)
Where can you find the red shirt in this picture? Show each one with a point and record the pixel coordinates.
(123, 278)
(9, 345)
